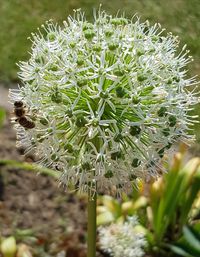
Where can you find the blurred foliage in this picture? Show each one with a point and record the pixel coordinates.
(189, 244)
(30, 167)
(2, 116)
(165, 208)
(110, 210)
(19, 18)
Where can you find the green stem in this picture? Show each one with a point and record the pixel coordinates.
(30, 167)
(91, 251)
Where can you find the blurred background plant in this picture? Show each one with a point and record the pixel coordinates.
(168, 209)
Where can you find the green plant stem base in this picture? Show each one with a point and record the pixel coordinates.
(91, 237)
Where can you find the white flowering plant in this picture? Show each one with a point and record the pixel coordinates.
(104, 100)
(123, 239)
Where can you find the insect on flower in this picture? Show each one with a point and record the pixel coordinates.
(20, 113)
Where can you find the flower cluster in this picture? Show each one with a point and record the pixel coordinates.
(107, 98)
(122, 239)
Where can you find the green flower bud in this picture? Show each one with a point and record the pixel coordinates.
(37, 69)
(118, 137)
(115, 21)
(162, 112)
(112, 46)
(119, 21)
(155, 38)
(161, 152)
(81, 121)
(132, 177)
(56, 97)
(87, 26)
(169, 81)
(177, 79)
(97, 47)
(120, 186)
(49, 130)
(168, 146)
(172, 121)
(120, 92)
(72, 44)
(116, 155)
(166, 132)
(136, 163)
(140, 52)
(80, 61)
(104, 95)
(108, 33)
(54, 157)
(95, 122)
(54, 67)
(51, 36)
(81, 82)
(135, 99)
(135, 130)
(124, 21)
(86, 166)
(89, 34)
(40, 138)
(141, 77)
(69, 148)
(108, 174)
(119, 72)
(44, 121)
(69, 113)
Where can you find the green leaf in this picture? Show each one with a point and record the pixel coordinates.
(191, 238)
(185, 247)
(188, 200)
(2, 116)
(177, 184)
(189, 244)
(180, 251)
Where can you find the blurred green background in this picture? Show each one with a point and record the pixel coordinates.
(18, 18)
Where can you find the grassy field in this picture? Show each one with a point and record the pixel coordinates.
(18, 18)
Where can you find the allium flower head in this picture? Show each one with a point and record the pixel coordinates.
(108, 99)
(122, 239)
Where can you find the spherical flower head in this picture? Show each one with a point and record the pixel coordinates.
(123, 239)
(108, 99)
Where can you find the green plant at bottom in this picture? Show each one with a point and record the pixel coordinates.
(171, 200)
(189, 244)
(168, 209)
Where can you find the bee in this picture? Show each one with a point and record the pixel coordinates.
(20, 113)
